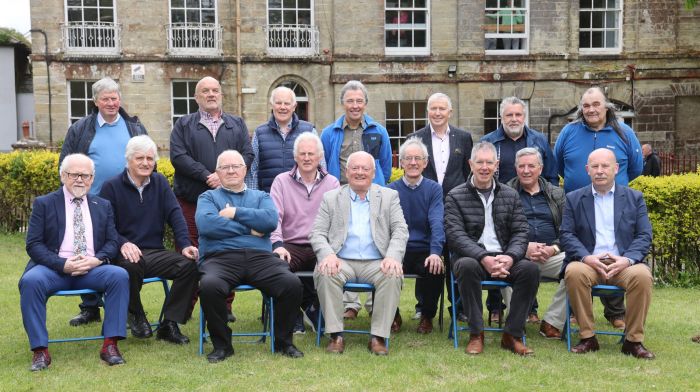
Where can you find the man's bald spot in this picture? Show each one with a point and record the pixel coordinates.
(602, 153)
(361, 156)
(206, 79)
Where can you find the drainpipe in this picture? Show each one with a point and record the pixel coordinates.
(239, 88)
(48, 80)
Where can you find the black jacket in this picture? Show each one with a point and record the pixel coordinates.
(554, 196)
(652, 165)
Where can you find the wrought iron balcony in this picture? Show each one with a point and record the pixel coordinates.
(292, 40)
(194, 39)
(91, 38)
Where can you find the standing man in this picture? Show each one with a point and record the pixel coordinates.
(606, 235)
(359, 235)
(297, 195)
(234, 231)
(273, 141)
(102, 136)
(143, 202)
(70, 241)
(422, 205)
(195, 143)
(652, 162)
(488, 233)
(448, 165)
(597, 126)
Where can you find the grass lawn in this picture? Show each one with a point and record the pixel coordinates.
(415, 362)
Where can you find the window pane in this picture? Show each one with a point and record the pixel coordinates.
(419, 3)
(177, 16)
(611, 19)
(106, 15)
(392, 110)
(305, 4)
(192, 3)
(208, 16)
(194, 108)
(275, 17)
(597, 39)
(180, 106)
(304, 18)
(612, 3)
(392, 128)
(584, 39)
(75, 15)
(289, 4)
(392, 3)
(177, 3)
(106, 3)
(611, 39)
(406, 109)
(73, 3)
(90, 3)
(598, 3)
(584, 20)
(180, 89)
(421, 108)
(419, 17)
(274, 4)
(193, 16)
(392, 39)
(90, 14)
(598, 20)
(585, 4)
(490, 125)
(289, 17)
(419, 38)
(491, 109)
(77, 89)
(208, 4)
(391, 17)
(405, 3)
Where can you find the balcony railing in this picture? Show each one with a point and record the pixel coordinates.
(91, 38)
(194, 39)
(292, 40)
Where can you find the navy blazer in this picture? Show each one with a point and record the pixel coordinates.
(632, 227)
(47, 226)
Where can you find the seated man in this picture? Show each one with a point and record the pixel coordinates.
(70, 241)
(542, 204)
(421, 202)
(297, 194)
(143, 201)
(359, 235)
(234, 239)
(606, 235)
(487, 232)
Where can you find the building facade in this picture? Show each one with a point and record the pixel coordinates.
(644, 53)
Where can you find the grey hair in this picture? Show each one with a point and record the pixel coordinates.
(437, 96)
(281, 89)
(308, 136)
(105, 85)
(483, 146)
(528, 151)
(512, 101)
(142, 144)
(229, 152)
(413, 141)
(610, 115)
(71, 158)
(357, 154)
(354, 85)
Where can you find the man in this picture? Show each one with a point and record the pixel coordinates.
(597, 126)
(606, 235)
(102, 136)
(297, 196)
(652, 162)
(143, 201)
(70, 241)
(197, 139)
(359, 235)
(448, 164)
(421, 202)
(511, 136)
(234, 238)
(488, 234)
(543, 204)
(273, 141)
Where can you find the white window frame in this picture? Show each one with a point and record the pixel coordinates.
(524, 36)
(88, 100)
(212, 30)
(408, 51)
(401, 137)
(173, 98)
(185, 8)
(308, 31)
(111, 30)
(607, 50)
(65, 10)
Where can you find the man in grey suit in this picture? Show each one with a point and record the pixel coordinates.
(359, 235)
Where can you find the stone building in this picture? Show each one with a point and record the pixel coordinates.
(645, 53)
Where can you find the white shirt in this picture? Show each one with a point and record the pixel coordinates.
(488, 236)
(441, 152)
(604, 206)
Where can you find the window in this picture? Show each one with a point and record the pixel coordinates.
(290, 28)
(600, 26)
(183, 98)
(80, 101)
(193, 28)
(506, 26)
(492, 114)
(302, 109)
(91, 24)
(407, 27)
(404, 118)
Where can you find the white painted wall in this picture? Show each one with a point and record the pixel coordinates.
(8, 99)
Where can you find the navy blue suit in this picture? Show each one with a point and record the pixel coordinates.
(44, 273)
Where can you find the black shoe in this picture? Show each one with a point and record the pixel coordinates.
(140, 327)
(299, 325)
(231, 317)
(290, 351)
(219, 354)
(169, 331)
(86, 316)
(41, 360)
(111, 355)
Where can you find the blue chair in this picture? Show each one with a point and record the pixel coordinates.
(268, 322)
(441, 304)
(599, 290)
(356, 288)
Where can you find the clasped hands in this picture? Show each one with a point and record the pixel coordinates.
(539, 252)
(497, 266)
(606, 271)
(80, 265)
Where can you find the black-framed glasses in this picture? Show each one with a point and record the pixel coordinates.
(82, 176)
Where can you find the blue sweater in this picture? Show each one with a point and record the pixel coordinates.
(254, 210)
(140, 219)
(423, 210)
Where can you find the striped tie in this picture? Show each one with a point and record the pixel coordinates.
(79, 242)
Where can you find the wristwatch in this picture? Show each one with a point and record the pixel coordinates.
(630, 261)
(556, 249)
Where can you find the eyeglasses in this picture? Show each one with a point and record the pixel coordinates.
(355, 101)
(412, 159)
(226, 168)
(82, 176)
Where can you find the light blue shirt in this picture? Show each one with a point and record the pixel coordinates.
(107, 150)
(359, 244)
(605, 222)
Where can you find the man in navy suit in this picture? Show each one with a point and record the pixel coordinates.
(606, 234)
(70, 242)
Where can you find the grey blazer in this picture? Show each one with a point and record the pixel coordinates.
(389, 229)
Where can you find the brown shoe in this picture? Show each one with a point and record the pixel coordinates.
(515, 345)
(425, 326)
(495, 317)
(549, 331)
(532, 318)
(476, 344)
(377, 346)
(336, 345)
(396, 324)
(618, 323)
(586, 345)
(696, 338)
(350, 314)
(637, 350)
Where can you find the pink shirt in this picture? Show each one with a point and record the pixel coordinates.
(441, 152)
(66, 249)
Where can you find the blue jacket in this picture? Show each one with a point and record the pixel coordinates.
(375, 140)
(534, 139)
(633, 232)
(576, 141)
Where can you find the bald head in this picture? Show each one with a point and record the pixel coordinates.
(602, 167)
(208, 95)
(360, 172)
